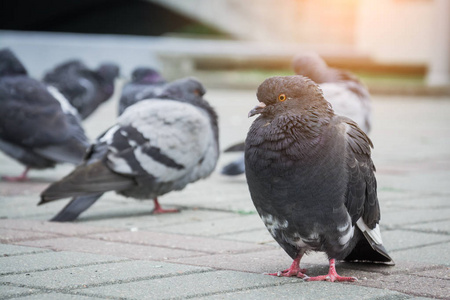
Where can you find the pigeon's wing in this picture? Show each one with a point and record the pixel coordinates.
(30, 116)
(361, 196)
(167, 140)
(349, 99)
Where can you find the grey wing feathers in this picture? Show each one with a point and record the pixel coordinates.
(86, 180)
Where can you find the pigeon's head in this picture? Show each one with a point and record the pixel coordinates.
(146, 75)
(289, 94)
(107, 73)
(10, 64)
(186, 90)
(311, 65)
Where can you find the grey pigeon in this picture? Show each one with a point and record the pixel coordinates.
(311, 177)
(346, 94)
(156, 146)
(36, 128)
(145, 83)
(84, 88)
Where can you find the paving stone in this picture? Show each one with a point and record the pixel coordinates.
(8, 291)
(177, 241)
(401, 266)
(146, 220)
(435, 254)
(69, 229)
(255, 262)
(217, 227)
(394, 240)
(312, 290)
(438, 227)
(413, 216)
(259, 236)
(58, 296)
(413, 285)
(50, 260)
(111, 248)
(10, 250)
(442, 273)
(12, 235)
(103, 274)
(187, 286)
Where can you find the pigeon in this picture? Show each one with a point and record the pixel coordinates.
(311, 177)
(145, 83)
(156, 146)
(348, 96)
(36, 128)
(84, 88)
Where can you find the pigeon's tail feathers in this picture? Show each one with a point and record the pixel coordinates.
(370, 248)
(75, 207)
(86, 180)
(234, 168)
(236, 148)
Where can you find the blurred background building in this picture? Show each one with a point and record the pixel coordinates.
(406, 37)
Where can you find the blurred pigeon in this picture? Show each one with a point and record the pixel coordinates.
(347, 95)
(35, 128)
(311, 177)
(145, 83)
(85, 89)
(157, 146)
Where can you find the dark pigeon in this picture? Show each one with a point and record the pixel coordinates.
(347, 95)
(84, 88)
(311, 177)
(145, 83)
(36, 128)
(156, 146)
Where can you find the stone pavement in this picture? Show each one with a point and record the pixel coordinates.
(217, 247)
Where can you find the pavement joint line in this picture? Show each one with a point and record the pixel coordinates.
(177, 248)
(420, 246)
(78, 289)
(280, 283)
(408, 272)
(423, 230)
(25, 253)
(67, 267)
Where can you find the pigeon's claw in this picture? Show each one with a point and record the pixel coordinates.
(332, 275)
(293, 270)
(159, 210)
(20, 178)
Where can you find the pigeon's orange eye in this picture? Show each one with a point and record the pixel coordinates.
(282, 97)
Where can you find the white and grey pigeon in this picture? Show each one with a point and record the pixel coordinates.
(84, 88)
(156, 146)
(347, 95)
(145, 83)
(311, 177)
(36, 128)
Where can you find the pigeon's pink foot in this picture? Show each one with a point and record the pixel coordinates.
(20, 178)
(293, 270)
(332, 275)
(159, 210)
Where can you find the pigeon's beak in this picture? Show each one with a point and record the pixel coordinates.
(257, 109)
